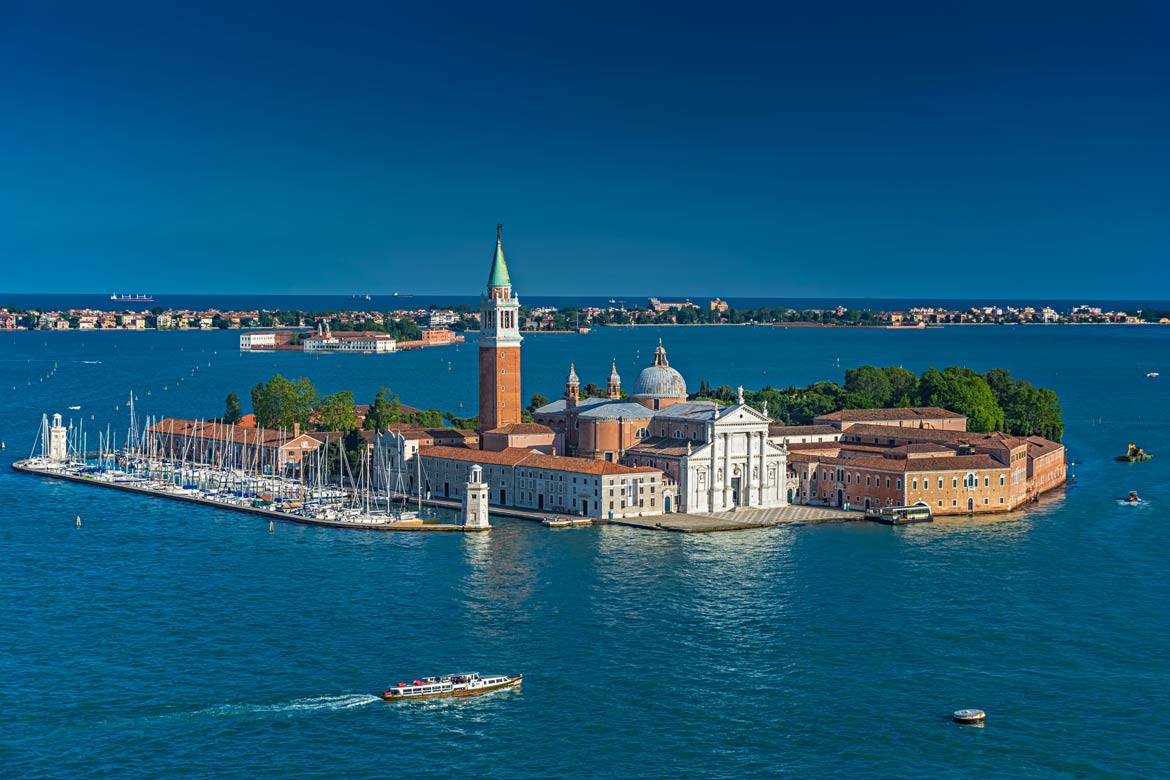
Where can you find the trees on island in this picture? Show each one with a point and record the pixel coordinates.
(994, 401)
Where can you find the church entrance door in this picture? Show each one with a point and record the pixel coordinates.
(540, 501)
(840, 498)
(735, 482)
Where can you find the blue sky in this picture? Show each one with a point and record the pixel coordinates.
(789, 149)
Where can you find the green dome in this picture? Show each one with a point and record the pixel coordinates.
(499, 275)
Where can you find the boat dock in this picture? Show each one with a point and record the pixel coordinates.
(736, 520)
(158, 490)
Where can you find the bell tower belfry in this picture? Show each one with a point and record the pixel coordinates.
(499, 347)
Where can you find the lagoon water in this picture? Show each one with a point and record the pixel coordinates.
(165, 640)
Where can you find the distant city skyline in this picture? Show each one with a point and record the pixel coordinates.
(991, 151)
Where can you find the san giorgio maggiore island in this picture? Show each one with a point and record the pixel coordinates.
(653, 457)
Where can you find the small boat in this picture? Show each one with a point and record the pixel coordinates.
(74, 408)
(901, 515)
(452, 686)
(1134, 454)
(1152, 375)
(1133, 498)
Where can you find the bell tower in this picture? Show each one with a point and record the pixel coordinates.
(499, 347)
(613, 386)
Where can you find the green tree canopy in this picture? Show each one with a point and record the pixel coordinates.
(964, 391)
(232, 411)
(281, 403)
(336, 412)
(869, 386)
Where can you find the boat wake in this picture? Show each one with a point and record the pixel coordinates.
(311, 704)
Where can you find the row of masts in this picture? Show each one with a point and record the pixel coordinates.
(226, 460)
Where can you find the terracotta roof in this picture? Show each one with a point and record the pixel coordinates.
(911, 413)
(663, 445)
(920, 447)
(520, 429)
(813, 446)
(217, 431)
(802, 430)
(1037, 446)
(516, 456)
(947, 463)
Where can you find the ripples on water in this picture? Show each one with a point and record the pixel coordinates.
(162, 640)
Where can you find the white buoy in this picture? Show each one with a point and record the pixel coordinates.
(271, 527)
(79, 521)
(969, 717)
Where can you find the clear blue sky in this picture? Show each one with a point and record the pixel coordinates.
(1006, 149)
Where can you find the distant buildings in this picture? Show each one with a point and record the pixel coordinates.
(368, 342)
(659, 307)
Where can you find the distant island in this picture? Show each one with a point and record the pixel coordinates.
(407, 325)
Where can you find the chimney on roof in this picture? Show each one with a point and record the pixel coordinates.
(296, 429)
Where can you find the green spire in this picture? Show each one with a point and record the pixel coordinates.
(499, 275)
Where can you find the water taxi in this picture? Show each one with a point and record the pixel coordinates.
(901, 515)
(452, 686)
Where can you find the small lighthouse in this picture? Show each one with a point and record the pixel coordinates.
(475, 501)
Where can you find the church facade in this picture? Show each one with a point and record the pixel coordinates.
(715, 458)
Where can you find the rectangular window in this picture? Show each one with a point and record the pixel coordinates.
(914, 483)
(898, 484)
(954, 482)
(940, 485)
(987, 481)
(954, 502)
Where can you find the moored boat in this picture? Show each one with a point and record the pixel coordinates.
(901, 515)
(1134, 454)
(452, 686)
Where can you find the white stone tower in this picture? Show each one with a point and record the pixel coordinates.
(475, 500)
(57, 448)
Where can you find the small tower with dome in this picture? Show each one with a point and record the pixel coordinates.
(613, 386)
(572, 388)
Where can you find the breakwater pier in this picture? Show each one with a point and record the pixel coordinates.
(163, 489)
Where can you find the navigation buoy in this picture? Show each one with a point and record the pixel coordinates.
(271, 527)
(969, 717)
(79, 521)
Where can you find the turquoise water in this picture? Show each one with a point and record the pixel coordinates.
(164, 640)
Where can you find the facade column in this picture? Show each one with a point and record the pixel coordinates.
(764, 468)
(727, 471)
(747, 474)
(711, 476)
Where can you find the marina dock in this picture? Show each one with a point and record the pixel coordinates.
(158, 491)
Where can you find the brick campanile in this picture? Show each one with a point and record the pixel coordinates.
(499, 347)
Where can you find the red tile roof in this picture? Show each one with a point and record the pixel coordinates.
(910, 413)
(520, 429)
(517, 456)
